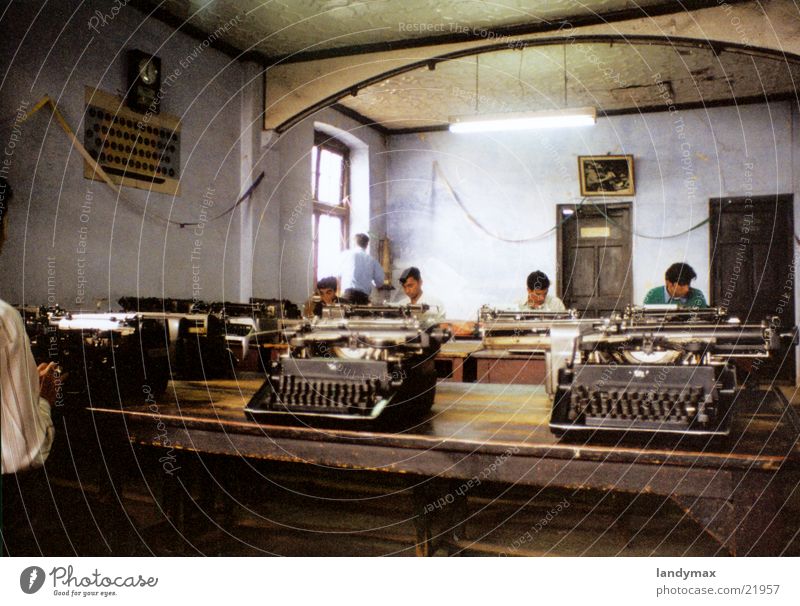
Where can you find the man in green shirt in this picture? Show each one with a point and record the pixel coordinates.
(677, 289)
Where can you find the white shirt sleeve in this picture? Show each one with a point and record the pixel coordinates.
(27, 428)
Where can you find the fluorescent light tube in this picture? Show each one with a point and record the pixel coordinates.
(560, 118)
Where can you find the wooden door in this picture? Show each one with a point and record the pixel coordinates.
(594, 270)
(752, 271)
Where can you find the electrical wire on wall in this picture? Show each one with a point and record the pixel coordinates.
(585, 202)
(48, 102)
(437, 170)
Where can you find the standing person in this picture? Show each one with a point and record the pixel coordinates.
(359, 272)
(411, 280)
(677, 289)
(539, 297)
(26, 393)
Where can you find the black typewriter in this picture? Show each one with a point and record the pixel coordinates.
(252, 325)
(355, 363)
(193, 334)
(657, 370)
(156, 304)
(109, 357)
(40, 326)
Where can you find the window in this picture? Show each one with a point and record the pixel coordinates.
(330, 184)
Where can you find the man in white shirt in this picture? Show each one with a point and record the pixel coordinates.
(411, 280)
(26, 391)
(358, 272)
(539, 297)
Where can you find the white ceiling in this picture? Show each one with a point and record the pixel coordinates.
(613, 75)
(284, 27)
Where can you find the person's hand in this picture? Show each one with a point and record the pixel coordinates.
(49, 381)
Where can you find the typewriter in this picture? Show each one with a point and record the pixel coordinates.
(40, 326)
(110, 357)
(194, 336)
(355, 363)
(156, 304)
(547, 334)
(657, 370)
(251, 325)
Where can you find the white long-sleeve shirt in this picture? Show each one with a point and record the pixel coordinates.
(26, 427)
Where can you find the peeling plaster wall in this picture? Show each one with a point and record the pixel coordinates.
(127, 250)
(512, 182)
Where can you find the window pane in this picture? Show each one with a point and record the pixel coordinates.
(330, 178)
(330, 245)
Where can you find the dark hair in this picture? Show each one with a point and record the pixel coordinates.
(538, 280)
(328, 282)
(680, 273)
(362, 240)
(411, 272)
(6, 194)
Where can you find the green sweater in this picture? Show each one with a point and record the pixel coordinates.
(659, 296)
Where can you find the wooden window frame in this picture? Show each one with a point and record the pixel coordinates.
(323, 141)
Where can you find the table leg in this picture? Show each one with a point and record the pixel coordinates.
(440, 512)
(749, 521)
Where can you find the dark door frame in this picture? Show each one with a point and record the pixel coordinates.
(786, 202)
(560, 241)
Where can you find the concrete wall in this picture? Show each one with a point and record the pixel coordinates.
(282, 261)
(511, 183)
(128, 250)
(262, 249)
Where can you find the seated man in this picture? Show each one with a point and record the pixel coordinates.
(539, 298)
(326, 288)
(676, 289)
(411, 280)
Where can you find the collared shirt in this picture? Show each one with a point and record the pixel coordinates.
(359, 271)
(660, 296)
(27, 429)
(551, 303)
(435, 313)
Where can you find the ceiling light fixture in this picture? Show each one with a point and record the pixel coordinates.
(557, 118)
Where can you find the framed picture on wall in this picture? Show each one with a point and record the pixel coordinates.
(606, 175)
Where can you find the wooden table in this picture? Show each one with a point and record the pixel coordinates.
(455, 361)
(510, 368)
(469, 362)
(499, 433)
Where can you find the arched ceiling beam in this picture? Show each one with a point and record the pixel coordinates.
(296, 90)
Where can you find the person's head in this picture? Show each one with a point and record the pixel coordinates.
(538, 285)
(326, 288)
(362, 240)
(678, 278)
(5, 198)
(411, 280)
